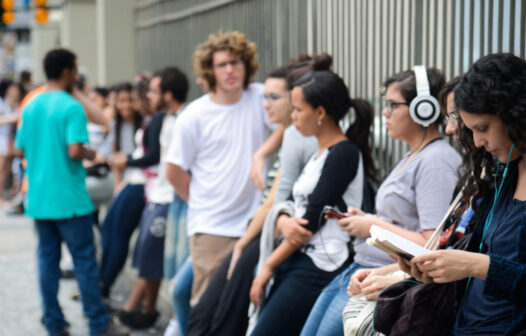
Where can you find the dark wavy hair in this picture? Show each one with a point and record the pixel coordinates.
(327, 89)
(495, 85)
(119, 121)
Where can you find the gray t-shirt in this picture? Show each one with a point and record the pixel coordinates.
(296, 151)
(415, 197)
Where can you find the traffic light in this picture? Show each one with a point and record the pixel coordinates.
(41, 16)
(7, 14)
(41, 12)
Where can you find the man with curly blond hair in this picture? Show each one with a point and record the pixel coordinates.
(215, 138)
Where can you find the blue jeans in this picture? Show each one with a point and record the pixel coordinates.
(325, 317)
(183, 290)
(298, 282)
(78, 235)
(122, 218)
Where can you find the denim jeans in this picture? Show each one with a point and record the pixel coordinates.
(120, 222)
(78, 235)
(182, 291)
(325, 317)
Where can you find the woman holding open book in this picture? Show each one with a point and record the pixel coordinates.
(491, 99)
(410, 202)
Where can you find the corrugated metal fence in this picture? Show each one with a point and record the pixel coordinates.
(369, 39)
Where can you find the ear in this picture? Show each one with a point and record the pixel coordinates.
(168, 96)
(321, 112)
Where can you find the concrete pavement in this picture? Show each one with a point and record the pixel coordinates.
(20, 310)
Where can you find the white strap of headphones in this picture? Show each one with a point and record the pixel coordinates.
(422, 84)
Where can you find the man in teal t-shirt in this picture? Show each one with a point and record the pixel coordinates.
(51, 122)
(51, 138)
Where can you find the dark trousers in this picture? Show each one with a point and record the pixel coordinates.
(223, 308)
(122, 218)
(298, 282)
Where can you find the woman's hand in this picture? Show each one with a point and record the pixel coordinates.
(259, 285)
(448, 265)
(355, 285)
(374, 284)
(236, 253)
(118, 161)
(413, 270)
(256, 172)
(352, 211)
(292, 229)
(357, 225)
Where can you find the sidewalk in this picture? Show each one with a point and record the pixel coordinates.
(20, 310)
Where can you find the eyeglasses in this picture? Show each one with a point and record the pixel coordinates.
(453, 116)
(272, 97)
(390, 105)
(233, 63)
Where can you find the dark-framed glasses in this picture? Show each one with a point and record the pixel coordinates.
(453, 116)
(390, 105)
(223, 65)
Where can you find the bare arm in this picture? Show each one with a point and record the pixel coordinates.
(254, 227)
(258, 159)
(17, 152)
(278, 256)
(358, 224)
(420, 238)
(77, 151)
(9, 119)
(179, 179)
(94, 114)
(256, 224)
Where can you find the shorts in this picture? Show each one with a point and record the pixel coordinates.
(149, 249)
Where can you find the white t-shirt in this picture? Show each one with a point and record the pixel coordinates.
(159, 189)
(216, 143)
(133, 175)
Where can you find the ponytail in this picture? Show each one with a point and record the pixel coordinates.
(359, 132)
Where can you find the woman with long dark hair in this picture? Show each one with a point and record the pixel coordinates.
(491, 100)
(333, 176)
(410, 202)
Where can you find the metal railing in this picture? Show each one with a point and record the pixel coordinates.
(369, 39)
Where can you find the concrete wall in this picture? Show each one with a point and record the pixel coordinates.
(78, 33)
(43, 38)
(116, 44)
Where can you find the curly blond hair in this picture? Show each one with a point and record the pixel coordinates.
(236, 43)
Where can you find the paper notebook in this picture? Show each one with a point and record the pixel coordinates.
(393, 244)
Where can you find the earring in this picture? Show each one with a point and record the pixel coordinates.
(319, 122)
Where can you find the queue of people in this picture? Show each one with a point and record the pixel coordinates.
(230, 193)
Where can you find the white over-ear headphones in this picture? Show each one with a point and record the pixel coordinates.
(424, 109)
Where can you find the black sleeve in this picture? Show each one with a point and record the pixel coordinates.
(153, 152)
(337, 173)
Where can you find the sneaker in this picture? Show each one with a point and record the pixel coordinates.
(172, 329)
(66, 323)
(67, 273)
(113, 330)
(137, 319)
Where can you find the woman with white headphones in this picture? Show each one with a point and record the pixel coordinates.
(413, 198)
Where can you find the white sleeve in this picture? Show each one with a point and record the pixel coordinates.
(184, 143)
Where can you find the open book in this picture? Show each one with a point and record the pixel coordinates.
(394, 245)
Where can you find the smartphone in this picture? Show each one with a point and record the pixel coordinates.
(332, 212)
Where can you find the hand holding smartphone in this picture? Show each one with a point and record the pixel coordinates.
(331, 212)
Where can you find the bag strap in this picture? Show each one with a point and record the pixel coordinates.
(432, 242)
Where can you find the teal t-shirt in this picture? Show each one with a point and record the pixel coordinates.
(56, 183)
